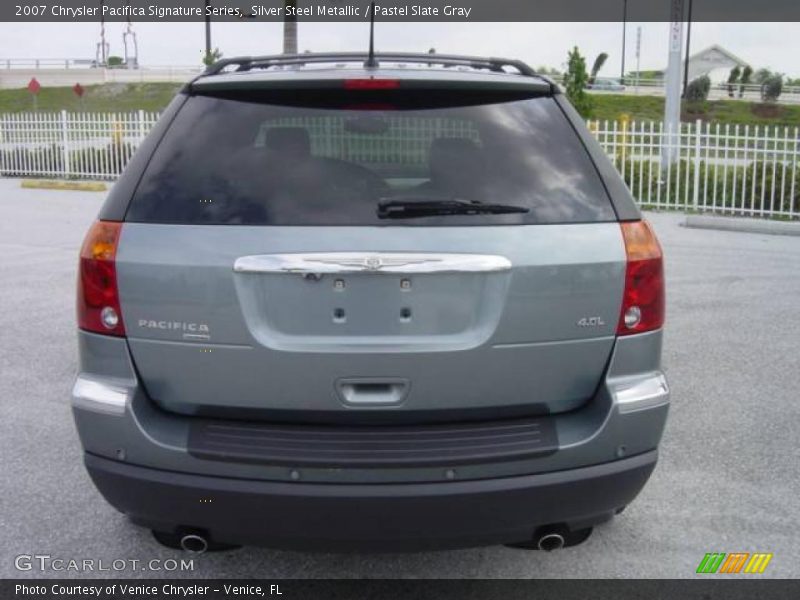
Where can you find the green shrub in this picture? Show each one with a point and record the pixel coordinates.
(698, 89)
(575, 80)
(20, 161)
(105, 161)
(772, 88)
(209, 58)
(739, 190)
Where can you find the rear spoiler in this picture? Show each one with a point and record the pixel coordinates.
(297, 61)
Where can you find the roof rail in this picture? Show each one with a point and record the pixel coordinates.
(247, 63)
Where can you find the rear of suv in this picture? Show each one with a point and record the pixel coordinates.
(403, 305)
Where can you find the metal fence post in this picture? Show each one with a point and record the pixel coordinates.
(3, 139)
(65, 142)
(142, 131)
(698, 129)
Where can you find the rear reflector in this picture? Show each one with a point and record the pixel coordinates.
(371, 84)
(643, 298)
(98, 297)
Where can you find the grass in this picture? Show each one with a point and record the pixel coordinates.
(651, 108)
(110, 97)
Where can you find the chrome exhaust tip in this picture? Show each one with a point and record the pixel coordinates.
(550, 541)
(194, 544)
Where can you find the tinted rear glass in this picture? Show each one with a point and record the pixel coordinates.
(231, 161)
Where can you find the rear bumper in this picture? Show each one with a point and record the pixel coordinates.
(339, 517)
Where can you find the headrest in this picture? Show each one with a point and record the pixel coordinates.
(289, 142)
(453, 154)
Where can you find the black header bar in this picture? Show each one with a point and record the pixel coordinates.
(395, 10)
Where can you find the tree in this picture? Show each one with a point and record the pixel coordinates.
(762, 75)
(598, 64)
(698, 89)
(114, 61)
(733, 77)
(772, 88)
(747, 74)
(212, 57)
(575, 80)
(548, 71)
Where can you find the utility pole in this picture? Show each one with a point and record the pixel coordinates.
(103, 45)
(624, 31)
(101, 55)
(290, 27)
(672, 104)
(638, 55)
(688, 42)
(131, 60)
(208, 30)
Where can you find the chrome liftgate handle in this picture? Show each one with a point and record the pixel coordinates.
(371, 262)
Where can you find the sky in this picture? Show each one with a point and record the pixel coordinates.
(772, 45)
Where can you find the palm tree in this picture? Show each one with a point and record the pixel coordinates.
(598, 64)
(289, 27)
(733, 77)
(747, 73)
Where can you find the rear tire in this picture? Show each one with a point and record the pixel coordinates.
(173, 540)
(571, 538)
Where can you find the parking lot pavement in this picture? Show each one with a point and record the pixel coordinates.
(728, 479)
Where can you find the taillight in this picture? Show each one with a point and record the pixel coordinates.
(643, 298)
(98, 297)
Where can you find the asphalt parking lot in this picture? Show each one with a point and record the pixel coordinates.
(728, 478)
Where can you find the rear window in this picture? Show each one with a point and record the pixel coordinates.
(231, 161)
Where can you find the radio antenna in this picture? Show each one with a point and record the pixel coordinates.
(371, 63)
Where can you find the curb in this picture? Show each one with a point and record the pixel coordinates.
(743, 224)
(50, 184)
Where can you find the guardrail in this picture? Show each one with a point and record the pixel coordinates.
(47, 63)
(78, 63)
(726, 169)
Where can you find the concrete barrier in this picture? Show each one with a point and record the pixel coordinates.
(744, 224)
(53, 184)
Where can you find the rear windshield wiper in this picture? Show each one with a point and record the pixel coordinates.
(409, 207)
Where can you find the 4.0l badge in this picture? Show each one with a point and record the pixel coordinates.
(591, 322)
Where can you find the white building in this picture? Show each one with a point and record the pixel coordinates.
(714, 61)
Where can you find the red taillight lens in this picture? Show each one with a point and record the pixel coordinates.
(371, 84)
(98, 297)
(643, 298)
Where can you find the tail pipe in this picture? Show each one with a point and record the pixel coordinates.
(549, 541)
(194, 543)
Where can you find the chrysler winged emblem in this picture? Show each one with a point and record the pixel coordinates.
(371, 262)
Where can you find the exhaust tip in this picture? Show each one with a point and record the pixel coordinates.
(194, 544)
(550, 541)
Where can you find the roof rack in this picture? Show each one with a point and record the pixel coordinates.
(247, 63)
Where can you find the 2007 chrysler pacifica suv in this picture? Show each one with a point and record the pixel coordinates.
(336, 305)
